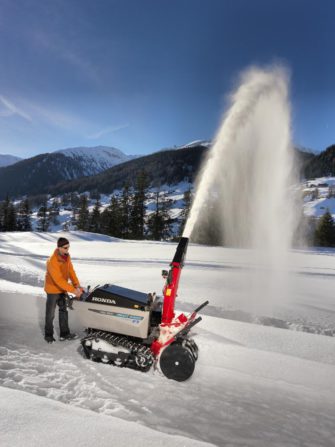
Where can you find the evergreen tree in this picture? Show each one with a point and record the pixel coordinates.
(38, 200)
(95, 195)
(23, 216)
(11, 221)
(137, 215)
(315, 194)
(54, 212)
(74, 200)
(74, 205)
(83, 214)
(65, 200)
(331, 191)
(95, 218)
(43, 221)
(159, 222)
(2, 216)
(125, 209)
(325, 231)
(8, 216)
(111, 218)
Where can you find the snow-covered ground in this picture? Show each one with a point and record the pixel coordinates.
(317, 199)
(254, 384)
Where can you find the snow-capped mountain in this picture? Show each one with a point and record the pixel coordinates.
(196, 143)
(7, 160)
(38, 174)
(96, 159)
(193, 144)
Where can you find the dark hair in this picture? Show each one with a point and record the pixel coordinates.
(62, 241)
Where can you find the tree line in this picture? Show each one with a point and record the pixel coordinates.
(127, 215)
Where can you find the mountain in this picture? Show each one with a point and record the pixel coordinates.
(35, 175)
(321, 165)
(67, 170)
(167, 167)
(302, 159)
(196, 143)
(164, 167)
(7, 160)
(38, 174)
(95, 159)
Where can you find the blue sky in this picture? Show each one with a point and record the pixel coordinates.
(142, 75)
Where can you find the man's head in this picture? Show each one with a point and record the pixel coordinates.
(63, 245)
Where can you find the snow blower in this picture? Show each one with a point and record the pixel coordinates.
(133, 329)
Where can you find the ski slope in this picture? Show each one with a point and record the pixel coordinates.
(254, 384)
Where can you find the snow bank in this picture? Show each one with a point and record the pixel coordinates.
(32, 421)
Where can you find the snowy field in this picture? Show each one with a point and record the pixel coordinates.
(255, 383)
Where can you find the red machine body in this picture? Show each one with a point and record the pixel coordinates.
(172, 283)
(171, 326)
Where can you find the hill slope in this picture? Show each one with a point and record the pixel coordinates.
(168, 167)
(95, 159)
(38, 174)
(7, 160)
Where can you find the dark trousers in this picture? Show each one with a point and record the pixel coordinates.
(52, 300)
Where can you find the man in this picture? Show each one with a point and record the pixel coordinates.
(59, 272)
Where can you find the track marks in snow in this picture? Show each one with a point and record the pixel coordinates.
(58, 379)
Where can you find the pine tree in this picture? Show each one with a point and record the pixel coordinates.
(74, 204)
(1, 216)
(43, 221)
(54, 212)
(11, 223)
(23, 216)
(4, 214)
(74, 200)
(8, 218)
(159, 222)
(83, 214)
(125, 210)
(95, 218)
(137, 215)
(65, 200)
(111, 218)
(325, 231)
(95, 195)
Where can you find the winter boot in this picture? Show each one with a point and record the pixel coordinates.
(49, 339)
(69, 336)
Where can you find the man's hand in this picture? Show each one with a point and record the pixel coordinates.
(78, 292)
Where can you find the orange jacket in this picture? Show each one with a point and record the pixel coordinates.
(59, 271)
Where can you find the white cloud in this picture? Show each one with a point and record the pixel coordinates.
(106, 130)
(54, 117)
(10, 109)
